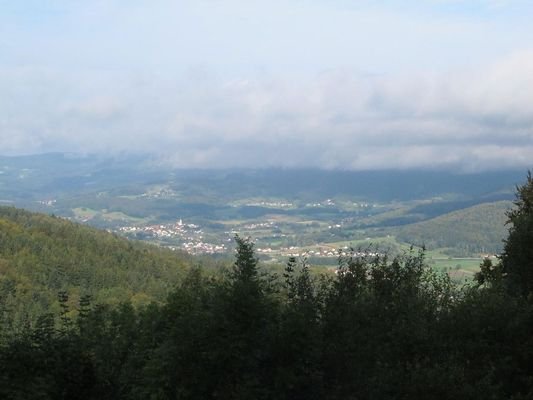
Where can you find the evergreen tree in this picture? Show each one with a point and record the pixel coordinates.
(298, 348)
(517, 257)
(243, 316)
(245, 266)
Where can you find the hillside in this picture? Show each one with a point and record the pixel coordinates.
(477, 229)
(42, 255)
(199, 211)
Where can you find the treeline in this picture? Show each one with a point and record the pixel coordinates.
(378, 328)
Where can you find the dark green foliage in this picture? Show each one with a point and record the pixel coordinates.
(477, 229)
(489, 274)
(41, 256)
(297, 353)
(379, 328)
(245, 267)
(517, 258)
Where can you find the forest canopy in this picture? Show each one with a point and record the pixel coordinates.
(379, 327)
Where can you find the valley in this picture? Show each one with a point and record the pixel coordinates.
(304, 213)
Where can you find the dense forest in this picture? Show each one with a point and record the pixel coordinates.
(379, 328)
(476, 229)
(41, 256)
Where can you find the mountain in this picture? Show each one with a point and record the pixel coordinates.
(477, 229)
(41, 175)
(42, 255)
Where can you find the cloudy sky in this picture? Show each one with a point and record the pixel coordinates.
(349, 84)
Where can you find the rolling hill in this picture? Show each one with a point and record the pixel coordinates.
(42, 255)
(477, 229)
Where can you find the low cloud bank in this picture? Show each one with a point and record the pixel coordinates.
(474, 119)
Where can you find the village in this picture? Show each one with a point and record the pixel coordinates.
(190, 237)
(179, 235)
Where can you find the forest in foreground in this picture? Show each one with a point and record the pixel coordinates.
(379, 328)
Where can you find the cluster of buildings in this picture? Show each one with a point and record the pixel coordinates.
(177, 230)
(260, 225)
(320, 252)
(326, 203)
(204, 248)
(159, 193)
(48, 203)
(187, 237)
(274, 204)
(294, 251)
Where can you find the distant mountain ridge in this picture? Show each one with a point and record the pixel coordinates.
(34, 175)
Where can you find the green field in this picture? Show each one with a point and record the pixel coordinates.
(457, 268)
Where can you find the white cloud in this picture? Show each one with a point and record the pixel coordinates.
(477, 119)
(218, 84)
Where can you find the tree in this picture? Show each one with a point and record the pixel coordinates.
(489, 275)
(245, 266)
(517, 257)
(298, 348)
(241, 330)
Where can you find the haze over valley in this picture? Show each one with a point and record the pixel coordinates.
(459, 218)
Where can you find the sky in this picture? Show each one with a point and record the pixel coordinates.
(332, 84)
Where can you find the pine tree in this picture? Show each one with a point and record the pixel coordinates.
(517, 257)
(245, 266)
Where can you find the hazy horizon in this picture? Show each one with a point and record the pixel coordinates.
(446, 84)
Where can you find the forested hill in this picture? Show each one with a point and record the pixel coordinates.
(41, 256)
(380, 328)
(477, 229)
